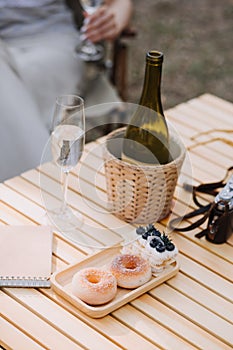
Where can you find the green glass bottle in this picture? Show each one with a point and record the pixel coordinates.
(146, 138)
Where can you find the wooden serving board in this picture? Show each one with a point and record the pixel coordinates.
(61, 283)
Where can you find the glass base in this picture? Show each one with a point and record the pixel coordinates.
(65, 220)
(89, 52)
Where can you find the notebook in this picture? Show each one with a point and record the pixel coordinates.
(25, 256)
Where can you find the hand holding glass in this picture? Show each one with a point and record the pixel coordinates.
(87, 50)
(67, 142)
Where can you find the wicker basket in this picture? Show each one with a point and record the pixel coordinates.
(140, 194)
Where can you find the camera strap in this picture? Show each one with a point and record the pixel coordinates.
(208, 188)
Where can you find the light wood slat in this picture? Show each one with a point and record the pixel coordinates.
(184, 116)
(203, 296)
(96, 148)
(184, 127)
(214, 247)
(156, 333)
(108, 325)
(32, 325)
(94, 183)
(37, 214)
(210, 111)
(95, 176)
(206, 169)
(204, 164)
(15, 219)
(211, 246)
(21, 204)
(187, 115)
(91, 228)
(12, 338)
(65, 251)
(217, 148)
(197, 173)
(224, 161)
(205, 277)
(204, 257)
(79, 184)
(85, 206)
(200, 316)
(200, 172)
(91, 160)
(62, 321)
(61, 248)
(221, 150)
(185, 120)
(90, 146)
(178, 324)
(218, 102)
(164, 317)
(207, 164)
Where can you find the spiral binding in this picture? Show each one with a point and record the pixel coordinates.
(33, 282)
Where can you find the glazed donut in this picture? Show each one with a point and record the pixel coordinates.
(94, 286)
(131, 271)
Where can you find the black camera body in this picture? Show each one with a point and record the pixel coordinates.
(220, 223)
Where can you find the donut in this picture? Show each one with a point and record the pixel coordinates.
(131, 271)
(94, 286)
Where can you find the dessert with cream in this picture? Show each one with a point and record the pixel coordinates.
(154, 246)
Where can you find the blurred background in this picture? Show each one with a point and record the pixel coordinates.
(196, 39)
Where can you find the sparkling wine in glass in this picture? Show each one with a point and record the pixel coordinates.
(67, 143)
(87, 50)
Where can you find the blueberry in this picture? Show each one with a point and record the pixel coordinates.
(145, 235)
(170, 246)
(140, 230)
(156, 232)
(150, 227)
(153, 243)
(160, 248)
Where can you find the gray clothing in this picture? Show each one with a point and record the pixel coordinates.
(37, 63)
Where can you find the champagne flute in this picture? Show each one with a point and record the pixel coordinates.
(67, 143)
(87, 50)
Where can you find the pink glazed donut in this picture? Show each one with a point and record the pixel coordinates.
(131, 271)
(94, 286)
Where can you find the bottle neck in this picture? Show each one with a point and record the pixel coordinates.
(151, 93)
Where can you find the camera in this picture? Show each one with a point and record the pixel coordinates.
(220, 223)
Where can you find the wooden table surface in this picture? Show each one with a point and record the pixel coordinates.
(192, 310)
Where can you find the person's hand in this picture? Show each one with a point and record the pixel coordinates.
(102, 25)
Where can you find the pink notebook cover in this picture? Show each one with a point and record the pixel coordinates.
(25, 256)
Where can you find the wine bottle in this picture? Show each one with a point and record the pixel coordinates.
(146, 138)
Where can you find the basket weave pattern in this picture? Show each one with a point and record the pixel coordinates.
(141, 194)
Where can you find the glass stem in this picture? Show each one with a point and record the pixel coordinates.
(65, 188)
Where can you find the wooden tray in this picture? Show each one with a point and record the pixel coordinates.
(61, 283)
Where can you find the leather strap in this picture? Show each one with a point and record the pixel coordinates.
(209, 188)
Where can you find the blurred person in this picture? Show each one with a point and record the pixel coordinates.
(37, 63)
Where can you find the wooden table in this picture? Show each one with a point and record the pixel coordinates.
(192, 310)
